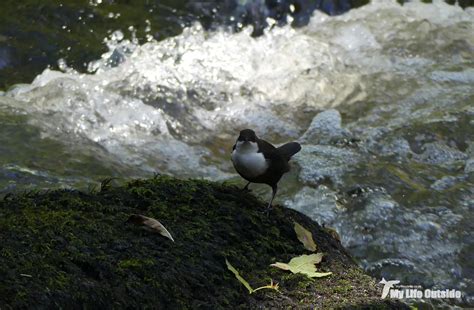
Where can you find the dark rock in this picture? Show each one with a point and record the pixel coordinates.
(70, 249)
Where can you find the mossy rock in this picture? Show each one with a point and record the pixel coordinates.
(70, 249)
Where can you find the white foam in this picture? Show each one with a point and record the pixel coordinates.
(180, 93)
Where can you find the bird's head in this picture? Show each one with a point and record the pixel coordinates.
(247, 135)
(247, 141)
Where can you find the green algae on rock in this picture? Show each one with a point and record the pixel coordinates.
(72, 249)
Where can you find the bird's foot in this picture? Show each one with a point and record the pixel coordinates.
(246, 188)
(267, 210)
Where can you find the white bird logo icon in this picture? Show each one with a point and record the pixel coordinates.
(387, 285)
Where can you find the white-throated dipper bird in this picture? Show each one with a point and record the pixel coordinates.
(258, 161)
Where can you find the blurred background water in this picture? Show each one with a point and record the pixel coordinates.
(380, 95)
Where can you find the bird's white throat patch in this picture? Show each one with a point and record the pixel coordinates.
(246, 147)
(247, 161)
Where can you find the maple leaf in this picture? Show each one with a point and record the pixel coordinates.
(305, 264)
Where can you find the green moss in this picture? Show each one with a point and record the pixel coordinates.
(135, 263)
(343, 287)
(75, 248)
(61, 280)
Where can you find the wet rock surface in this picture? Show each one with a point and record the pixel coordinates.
(392, 212)
(325, 128)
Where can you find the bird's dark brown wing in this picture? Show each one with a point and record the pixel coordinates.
(264, 146)
(278, 163)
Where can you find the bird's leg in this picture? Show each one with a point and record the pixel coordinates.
(274, 191)
(246, 188)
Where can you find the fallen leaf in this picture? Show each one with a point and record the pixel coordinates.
(151, 224)
(304, 264)
(239, 277)
(305, 237)
(272, 286)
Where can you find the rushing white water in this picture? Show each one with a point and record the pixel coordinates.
(393, 72)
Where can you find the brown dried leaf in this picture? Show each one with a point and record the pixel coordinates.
(150, 223)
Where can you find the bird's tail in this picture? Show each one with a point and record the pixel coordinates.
(289, 149)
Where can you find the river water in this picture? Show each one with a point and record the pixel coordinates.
(381, 97)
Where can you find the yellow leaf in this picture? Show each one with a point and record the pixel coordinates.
(281, 266)
(305, 237)
(239, 277)
(272, 286)
(151, 224)
(304, 264)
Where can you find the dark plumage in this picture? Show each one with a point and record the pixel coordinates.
(258, 161)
